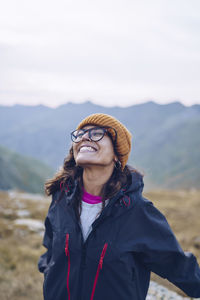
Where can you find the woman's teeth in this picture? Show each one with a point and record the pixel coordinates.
(87, 149)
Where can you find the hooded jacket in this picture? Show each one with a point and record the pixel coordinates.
(128, 240)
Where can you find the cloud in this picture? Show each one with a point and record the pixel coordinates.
(113, 52)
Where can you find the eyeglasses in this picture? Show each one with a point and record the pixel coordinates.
(95, 134)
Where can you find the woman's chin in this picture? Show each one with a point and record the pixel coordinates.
(94, 164)
(85, 162)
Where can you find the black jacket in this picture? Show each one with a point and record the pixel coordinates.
(130, 239)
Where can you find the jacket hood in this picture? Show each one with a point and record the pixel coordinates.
(136, 182)
(125, 197)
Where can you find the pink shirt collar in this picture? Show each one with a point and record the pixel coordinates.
(91, 199)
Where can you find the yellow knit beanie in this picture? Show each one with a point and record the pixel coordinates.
(123, 138)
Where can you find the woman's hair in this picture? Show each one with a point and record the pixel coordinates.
(70, 172)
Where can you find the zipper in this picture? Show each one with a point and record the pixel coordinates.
(100, 265)
(68, 267)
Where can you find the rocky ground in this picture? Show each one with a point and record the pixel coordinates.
(159, 292)
(21, 231)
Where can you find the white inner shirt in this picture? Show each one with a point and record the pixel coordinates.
(89, 214)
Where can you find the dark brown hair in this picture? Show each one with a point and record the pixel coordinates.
(70, 172)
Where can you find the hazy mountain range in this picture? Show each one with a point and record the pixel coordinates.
(166, 138)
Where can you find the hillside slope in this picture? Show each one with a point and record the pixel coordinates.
(24, 173)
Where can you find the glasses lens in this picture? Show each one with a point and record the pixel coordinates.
(77, 135)
(96, 134)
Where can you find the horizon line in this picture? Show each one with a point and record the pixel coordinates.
(97, 104)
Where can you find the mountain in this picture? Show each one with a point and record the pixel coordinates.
(166, 138)
(20, 172)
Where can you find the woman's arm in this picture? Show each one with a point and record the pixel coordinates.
(162, 254)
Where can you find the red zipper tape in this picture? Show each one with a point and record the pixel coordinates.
(68, 269)
(98, 269)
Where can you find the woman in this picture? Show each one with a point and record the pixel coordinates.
(103, 238)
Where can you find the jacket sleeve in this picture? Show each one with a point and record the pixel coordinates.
(47, 239)
(47, 243)
(162, 254)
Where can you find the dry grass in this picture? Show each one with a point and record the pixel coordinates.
(19, 251)
(20, 247)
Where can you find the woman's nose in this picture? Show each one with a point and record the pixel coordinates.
(86, 136)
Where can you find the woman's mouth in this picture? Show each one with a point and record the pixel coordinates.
(87, 149)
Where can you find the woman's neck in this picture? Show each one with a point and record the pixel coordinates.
(94, 179)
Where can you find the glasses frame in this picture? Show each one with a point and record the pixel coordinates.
(105, 130)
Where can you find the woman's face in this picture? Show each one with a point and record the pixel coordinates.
(88, 153)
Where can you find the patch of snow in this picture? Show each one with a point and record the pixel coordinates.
(26, 196)
(33, 225)
(23, 213)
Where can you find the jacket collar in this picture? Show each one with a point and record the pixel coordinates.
(122, 198)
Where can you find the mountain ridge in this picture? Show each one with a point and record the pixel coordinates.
(165, 136)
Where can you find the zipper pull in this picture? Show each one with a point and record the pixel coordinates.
(102, 255)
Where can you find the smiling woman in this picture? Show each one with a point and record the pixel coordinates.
(103, 238)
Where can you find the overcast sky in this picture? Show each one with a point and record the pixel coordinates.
(112, 52)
